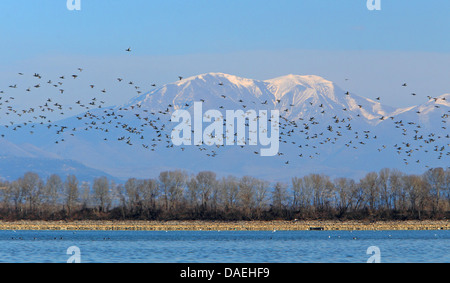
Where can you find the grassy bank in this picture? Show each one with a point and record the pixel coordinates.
(224, 226)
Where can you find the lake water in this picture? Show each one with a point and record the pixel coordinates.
(224, 247)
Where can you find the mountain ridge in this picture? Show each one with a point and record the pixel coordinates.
(324, 129)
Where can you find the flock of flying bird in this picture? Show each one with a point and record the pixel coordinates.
(137, 125)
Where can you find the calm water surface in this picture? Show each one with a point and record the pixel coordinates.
(225, 247)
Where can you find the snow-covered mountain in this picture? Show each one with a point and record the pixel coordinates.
(323, 129)
(292, 92)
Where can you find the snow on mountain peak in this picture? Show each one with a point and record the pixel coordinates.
(217, 78)
(443, 100)
(309, 80)
(296, 95)
(301, 88)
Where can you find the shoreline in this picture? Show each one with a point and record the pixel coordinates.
(224, 225)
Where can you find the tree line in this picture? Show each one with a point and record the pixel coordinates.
(177, 195)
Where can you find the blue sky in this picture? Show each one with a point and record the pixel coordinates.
(181, 27)
(172, 37)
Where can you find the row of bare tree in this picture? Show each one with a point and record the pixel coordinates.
(388, 194)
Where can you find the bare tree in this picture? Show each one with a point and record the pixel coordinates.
(122, 199)
(247, 195)
(206, 181)
(417, 192)
(176, 191)
(437, 181)
(172, 185)
(102, 194)
(31, 186)
(344, 192)
(193, 194)
(371, 189)
(16, 195)
(229, 188)
(262, 197)
(279, 198)
(85, 194)
(5, 194)
(53, 191)
(395, 181)
(150, 193)
(389, 193)
(319, 187)
(303, 193)
(132, 196)
(71, 192)
(384, 187)
(165, 180)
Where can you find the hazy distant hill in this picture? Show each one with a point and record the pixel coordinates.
(16, 160)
